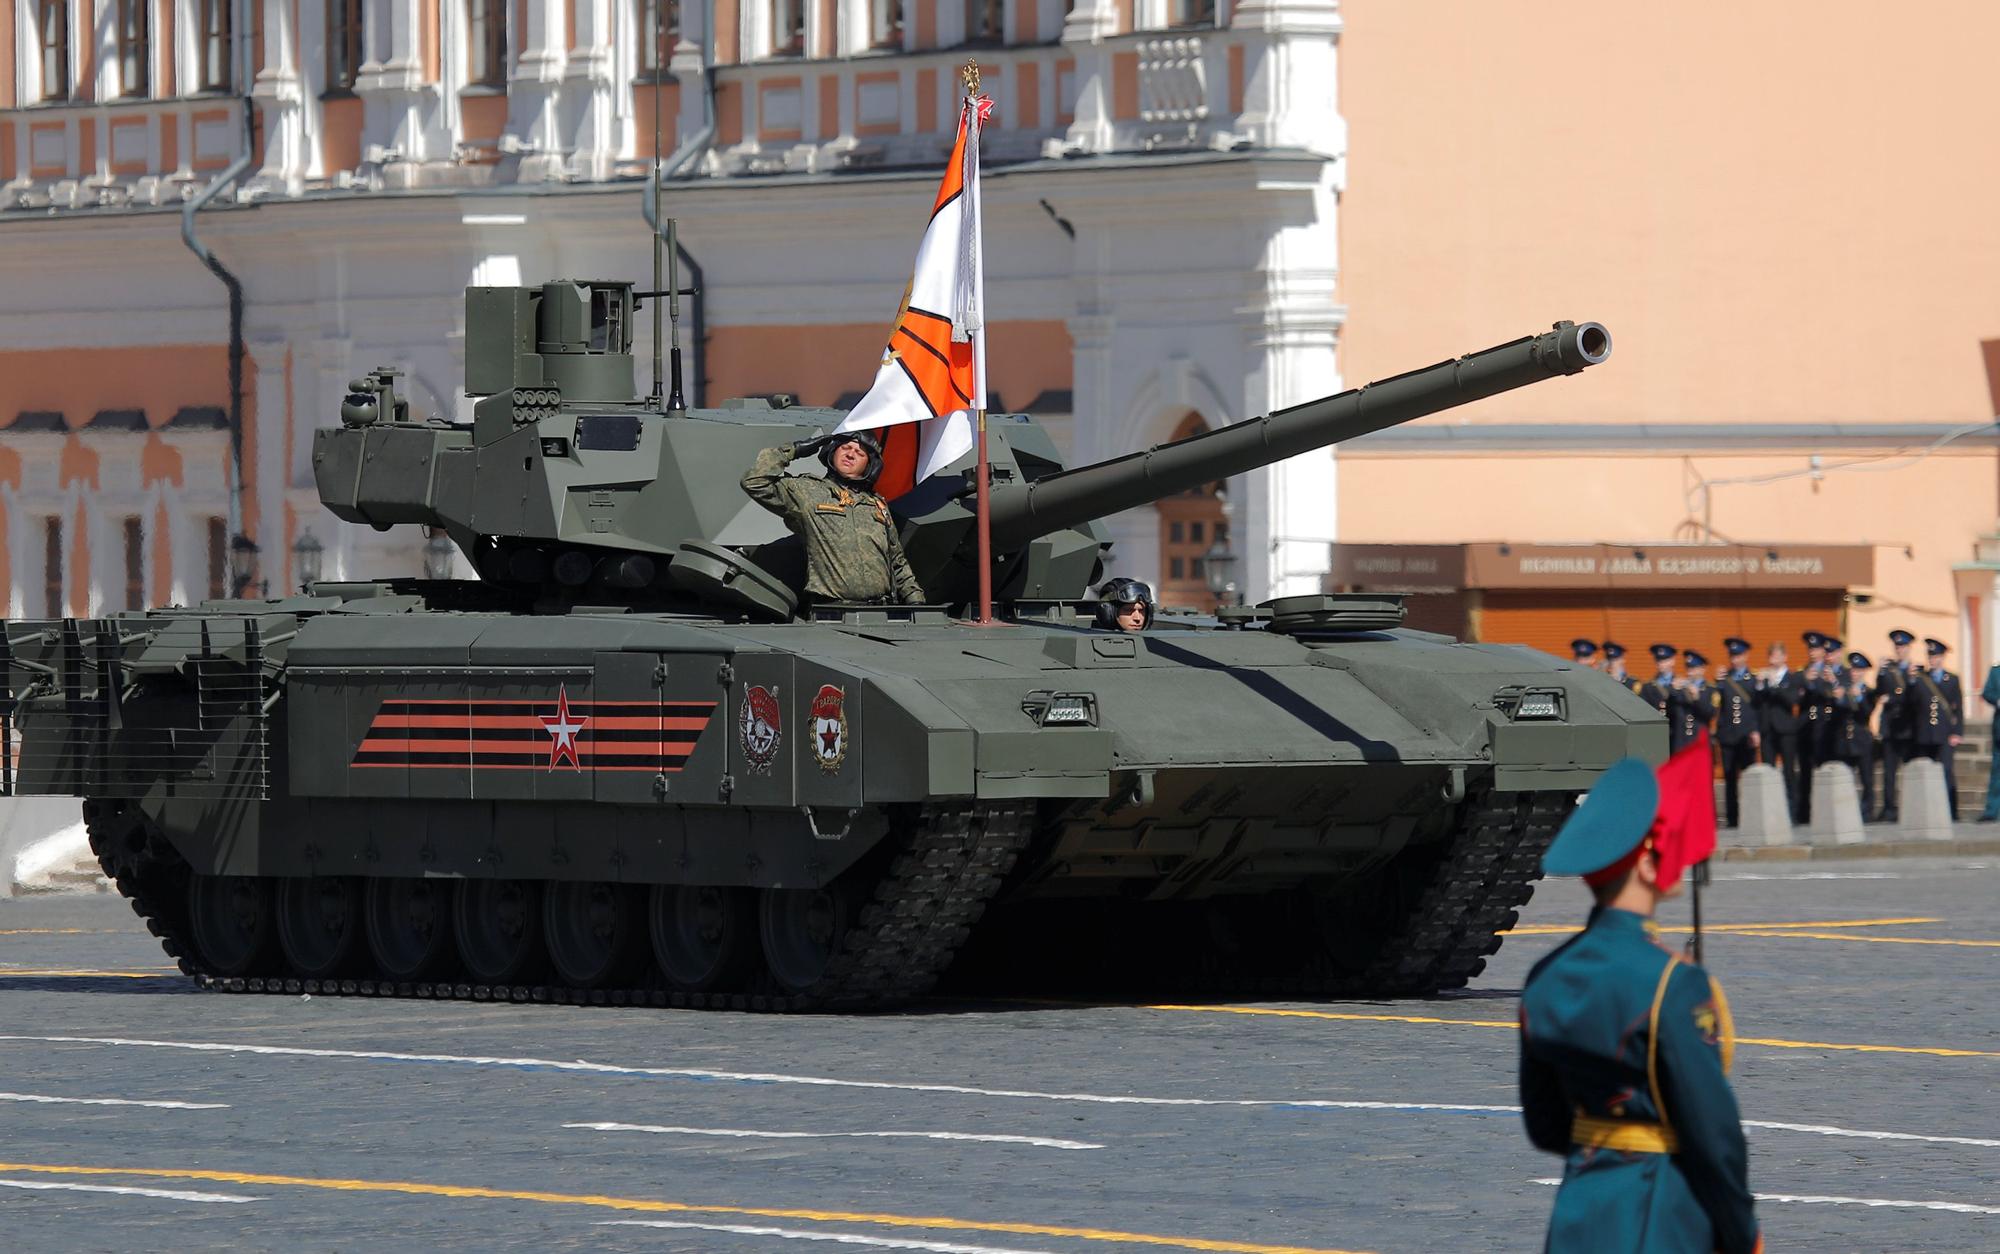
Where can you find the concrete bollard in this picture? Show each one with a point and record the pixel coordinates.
(1924, 812)
(1836, 806)
(1766, 813)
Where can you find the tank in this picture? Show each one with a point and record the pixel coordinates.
(622, 765)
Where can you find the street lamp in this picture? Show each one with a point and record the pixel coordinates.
(242, 563)
(307, 555)
(1217, 565)
(438, 555)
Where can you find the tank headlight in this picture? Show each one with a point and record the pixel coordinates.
(1539, 706)
(1061, 709)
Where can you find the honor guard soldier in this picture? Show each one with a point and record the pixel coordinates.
(1898, 731)
(1820, 677)
(1939, 706)
(1654, 692)
(1625, 1045)
(1780, 692)
(1584, 653)
(853, 551)
(1736, 725)
(1614, 666)
(1853, 739)
(1691, 704)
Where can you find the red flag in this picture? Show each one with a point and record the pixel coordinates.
(1684, 829)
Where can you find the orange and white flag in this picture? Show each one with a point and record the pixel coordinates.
(933, 373)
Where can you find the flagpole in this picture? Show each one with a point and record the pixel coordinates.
(982, 510)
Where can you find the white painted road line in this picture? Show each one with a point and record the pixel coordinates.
(839, 1238)
(1893, 1203)
(755, 1077)
(1040, 1142)
(110, 1101)
(169, 1195)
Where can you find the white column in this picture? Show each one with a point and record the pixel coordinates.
(1290, 85)
(593, 99)
(534, 124)
(267, 473)
(685, 64)
(1083, 35)
(404, 128)
(282, 94)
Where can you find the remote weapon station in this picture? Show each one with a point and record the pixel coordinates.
(622, 766)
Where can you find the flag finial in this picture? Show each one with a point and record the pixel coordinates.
(969, 73)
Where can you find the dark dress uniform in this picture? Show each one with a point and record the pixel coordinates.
(1892, 687)
(1938, 705)
(1736, 726)
(1815, 738)
(1614, 666)
(1691, 707)
(1853, 738)
(1779, 700)
(1625, 1052)
(1654, 691)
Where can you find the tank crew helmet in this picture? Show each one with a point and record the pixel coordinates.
(869, 444)
(1899, 638)
(1737, 646)
(1935, 648)
(1694, 659)
(1635, 808)
(1663, 652)
(1119, 593)
(1859, 662)
(1581, 649)
(1613, 650)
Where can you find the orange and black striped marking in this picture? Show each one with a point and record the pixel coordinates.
(512, 735)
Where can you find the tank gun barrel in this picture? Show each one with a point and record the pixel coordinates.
(1071, 497)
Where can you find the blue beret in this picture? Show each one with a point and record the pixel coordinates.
(1661, 652)
(1900, 637)
(1615, 816)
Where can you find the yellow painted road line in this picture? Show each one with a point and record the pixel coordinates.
(646, 1205)
(1876, 940)
(1542, 929)
(1510, 1025)
(67, 973)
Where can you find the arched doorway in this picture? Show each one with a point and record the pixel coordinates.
(1190, 524)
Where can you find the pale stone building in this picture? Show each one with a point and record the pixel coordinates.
(1162, 180)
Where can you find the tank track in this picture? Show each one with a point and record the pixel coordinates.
(920, 910)
(1473, 894)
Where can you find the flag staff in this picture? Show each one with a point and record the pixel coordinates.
(982, 509)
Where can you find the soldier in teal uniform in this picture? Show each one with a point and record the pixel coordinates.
(1625, 1045)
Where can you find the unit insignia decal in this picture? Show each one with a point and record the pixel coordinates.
(563, 727)
(492, 734)
(829, 728)
(760, 726)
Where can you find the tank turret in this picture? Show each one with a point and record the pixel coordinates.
(569, 485)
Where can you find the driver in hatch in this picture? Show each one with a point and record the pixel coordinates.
(853, 552)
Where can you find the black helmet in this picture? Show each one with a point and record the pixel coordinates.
(1123, 591)
(867, 440)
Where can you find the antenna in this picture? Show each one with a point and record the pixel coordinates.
(659, 66)
(676, 404)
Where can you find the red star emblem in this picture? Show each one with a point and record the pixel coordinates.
(563, 729)
(830, 740)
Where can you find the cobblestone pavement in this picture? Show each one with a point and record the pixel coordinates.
(1864, 991)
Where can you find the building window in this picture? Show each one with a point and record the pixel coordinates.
(486, 42)
(135, 47)
(788, 28)
(885, 23)
(985, 21)
(1193, 12)
(54, 24)
(343, 44)
(52, 567)
(656, 45)
(218, 558)
(135, 565)
(213, 68)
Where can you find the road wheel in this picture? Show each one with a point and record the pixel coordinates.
(409, 927)
(498, 924)
(595, 931)
(230, 916)
(704, 937)
(802, 929)
(319, 924)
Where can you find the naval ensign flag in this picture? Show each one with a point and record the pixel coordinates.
(932, 380)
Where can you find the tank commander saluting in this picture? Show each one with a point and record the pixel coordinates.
(853, 552)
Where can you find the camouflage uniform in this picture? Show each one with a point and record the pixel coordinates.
(852, 550)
